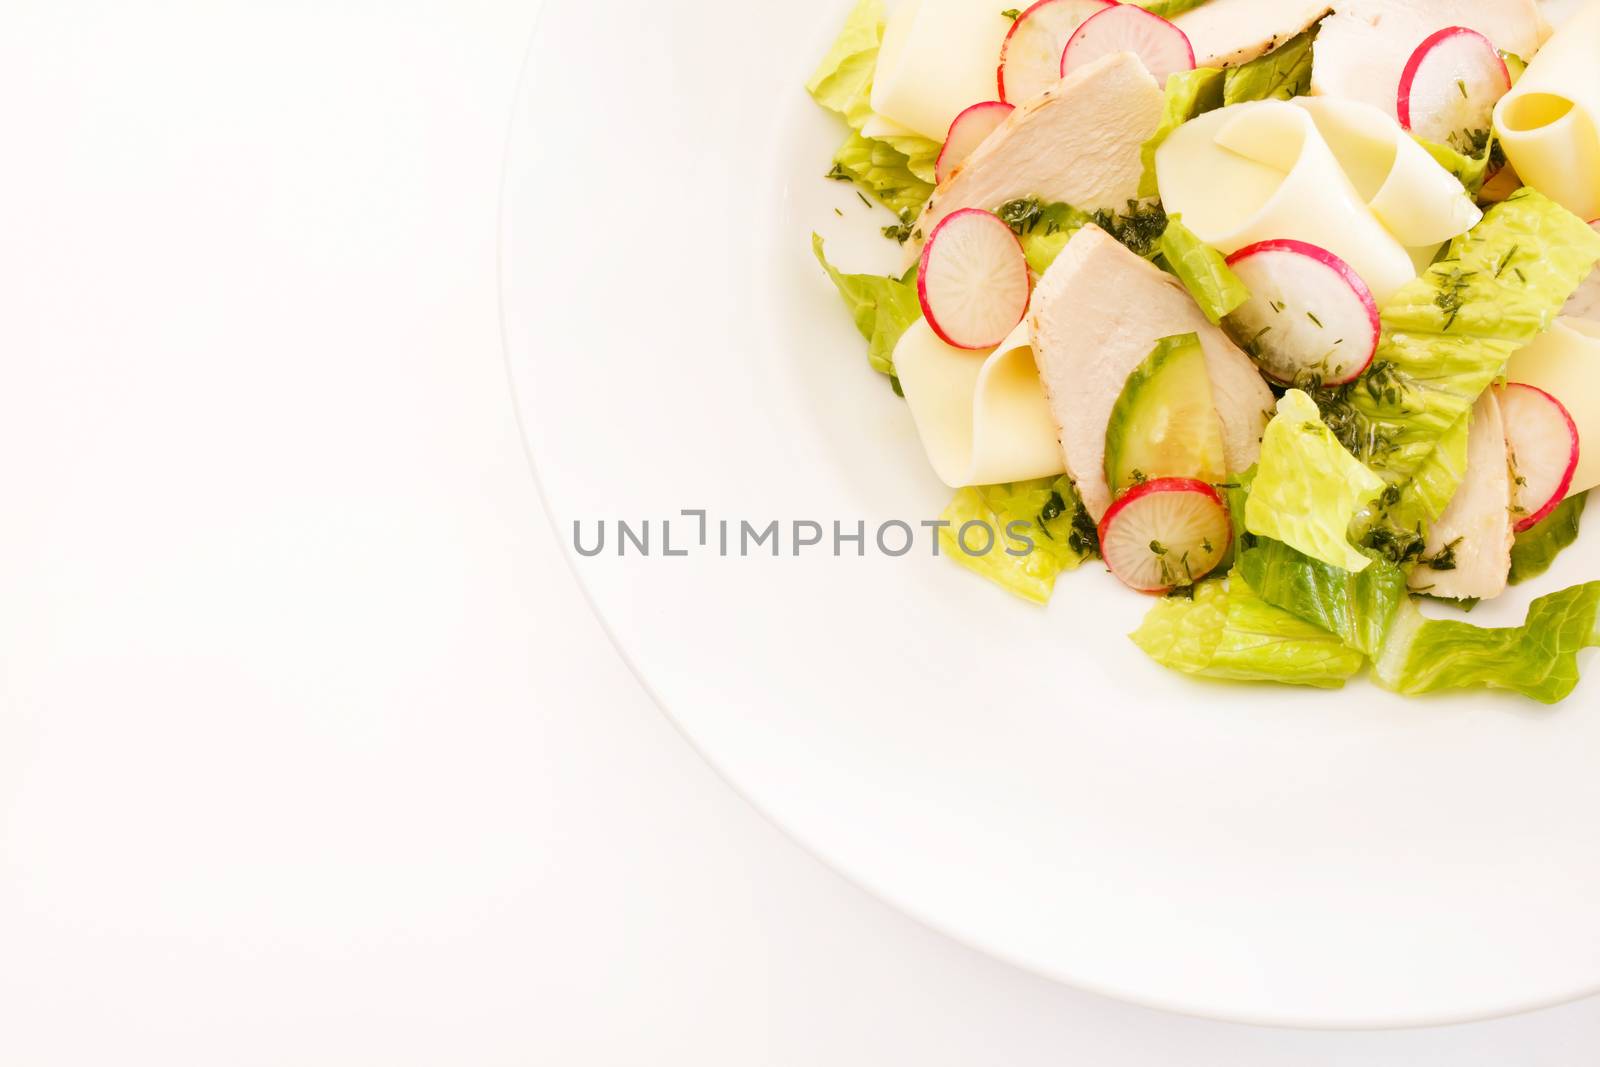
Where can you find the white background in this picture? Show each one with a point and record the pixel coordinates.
(310, 749)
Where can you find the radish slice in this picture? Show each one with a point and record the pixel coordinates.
(1310, 319)
(974, 282)
(1165, 533)
(1030, 58)
(1450, 87)
(1162, 47)
(970, 129)
(1544, 446)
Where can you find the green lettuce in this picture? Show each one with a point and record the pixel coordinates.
(1169, 9)
(1040, 531)
(1190, 93)
(1470, 170)
(896, 170)
(883, 308)
(1308, 489)
(842, 82)
(1202, 270)
(1228, 632)
(884, 172)
(1044, 229)
(1538, 659)
(1536, 550)
(1282, 73)
(1446, 338)
(1357, 608)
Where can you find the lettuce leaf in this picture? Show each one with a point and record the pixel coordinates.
(1537, 549)
(1470, 170)
(1169, 9)
(842, 82)
(1308, 489)
(1446, 338)
(1044, 229)
(1190, 93)
(884, 172)
(898, 171)
(1040, 531)
(1226, 631)
(1356, 608)
(1281, 74)
(1202, 270)
(1538, 659)
(883, 308)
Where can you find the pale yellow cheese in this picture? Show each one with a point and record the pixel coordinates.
(1419, 202)
(1550, 122)
(938, 58)
(983, 418)
(1565, 362)
(1261, 171)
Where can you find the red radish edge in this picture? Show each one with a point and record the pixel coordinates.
(1356, 283)
(1564, 486)
(1188, 45)
(1150, 488)
(922, 276)
(1414, 64)
(994, 112)
(1005, 46)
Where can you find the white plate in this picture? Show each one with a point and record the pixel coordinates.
(1023, 780)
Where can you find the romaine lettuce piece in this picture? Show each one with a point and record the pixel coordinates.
(1040, 531)
(884, 172)
(883, 308)
(1308, 489)
(1202, 270)
(1043, 229)
(1190, 94)
(1282, 73)
(1470, 170)
(1447, 337)
(1226, 631)
(896, 170)
(1538, 659)
(842, 82)
(1357, 608)
(1536, 550)
(1169, 9)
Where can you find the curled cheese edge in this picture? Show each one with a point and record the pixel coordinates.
(983, 418)
(1549, 122)
(1327, 173)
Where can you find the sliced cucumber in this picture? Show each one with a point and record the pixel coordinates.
(1165, 423)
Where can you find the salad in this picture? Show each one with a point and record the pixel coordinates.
(1285, 310)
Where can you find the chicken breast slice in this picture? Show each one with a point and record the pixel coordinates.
(1476, 530)
(1097, 313)
(1226, 33)
(1363, 47)
(1078, 143)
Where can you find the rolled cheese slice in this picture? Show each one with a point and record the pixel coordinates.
(938, 58)
(1550, 122)
(1418, 201)
(983, 420)
(1258, 171)
(1565, 362)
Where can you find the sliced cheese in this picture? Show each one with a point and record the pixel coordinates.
(938, 58)
(1565, 362)
(1418, 201)
(1550, 122)
(983, 420)
(1259, 171)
